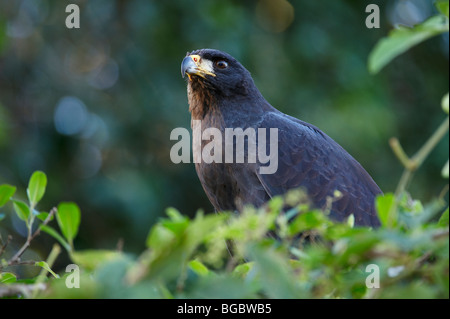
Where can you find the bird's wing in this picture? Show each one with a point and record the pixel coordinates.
(308, 158)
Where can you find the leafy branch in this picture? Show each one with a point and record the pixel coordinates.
(67, 216)
(397, 42)
(403, 38)
(412, 164)
(30, 237)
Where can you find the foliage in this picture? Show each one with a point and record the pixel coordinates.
(403, 38)
(190, 258)
(67, 214)
(261, 253)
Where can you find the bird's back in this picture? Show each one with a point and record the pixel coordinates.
(310, 159)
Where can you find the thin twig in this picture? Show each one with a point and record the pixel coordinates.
(413, 163)
(419, 262)
(119, 246)
(431, 143)
(8, 240)
(30, 237)
(399, 152)
(18, 263)
(22, 262)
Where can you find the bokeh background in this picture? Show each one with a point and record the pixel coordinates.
(94, 107)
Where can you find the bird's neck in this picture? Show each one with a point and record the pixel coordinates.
(200, 103)
(204, 104)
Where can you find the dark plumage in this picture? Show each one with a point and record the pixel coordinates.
(222, 94)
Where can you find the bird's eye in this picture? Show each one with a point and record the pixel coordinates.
(195, 59)
(221, 64)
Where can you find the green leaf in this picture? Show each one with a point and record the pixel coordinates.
(68, 217)
(36, 187)
(7, 278)
(43, 216)
(442, 6)
(198, 268)
(351, 221)
(6, 192)
(307, 221)
(384, 204)
(443, 221)
(174, 214)
(445, 103)
(445, 170)
(22, 210)
(275, 273)
(177, 222)
(400, 40)
(361, 242)
(242, 270)
(44, 265)
(52, 232)
(159, 236)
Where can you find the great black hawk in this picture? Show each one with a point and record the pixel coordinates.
(222, 94)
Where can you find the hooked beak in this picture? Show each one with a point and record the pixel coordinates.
(193, 65)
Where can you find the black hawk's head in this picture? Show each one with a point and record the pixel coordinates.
(216, 73)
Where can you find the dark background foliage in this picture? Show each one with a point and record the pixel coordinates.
(94, 107)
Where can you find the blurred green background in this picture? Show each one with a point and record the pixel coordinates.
(94, 107)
